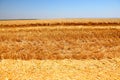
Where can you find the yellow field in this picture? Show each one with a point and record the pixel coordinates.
(68, 49)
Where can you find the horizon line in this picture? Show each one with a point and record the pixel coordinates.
(61, 18)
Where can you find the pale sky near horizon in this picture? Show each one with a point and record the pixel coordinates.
(45, 9)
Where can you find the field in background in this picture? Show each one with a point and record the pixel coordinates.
(60, 22)
(70, 49)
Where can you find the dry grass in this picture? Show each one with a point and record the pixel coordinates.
(105, 69)
(60, 42)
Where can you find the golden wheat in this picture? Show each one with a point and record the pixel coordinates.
(59, 42)
(46, 40)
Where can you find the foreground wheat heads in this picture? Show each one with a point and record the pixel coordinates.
(59, 43)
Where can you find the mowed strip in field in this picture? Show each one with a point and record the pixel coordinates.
(60, 42)
(105, 69)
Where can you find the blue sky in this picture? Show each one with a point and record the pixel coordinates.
(44, 9)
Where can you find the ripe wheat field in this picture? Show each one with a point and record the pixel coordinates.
(67, 46)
